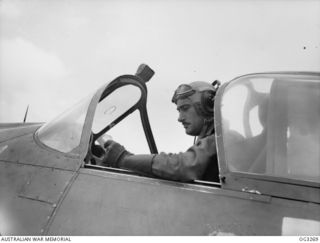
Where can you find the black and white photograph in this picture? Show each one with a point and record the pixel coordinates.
(159, 118)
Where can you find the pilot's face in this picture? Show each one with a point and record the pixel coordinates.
(189, 118)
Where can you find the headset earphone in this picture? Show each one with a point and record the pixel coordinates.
(207, 100)
(206, 103)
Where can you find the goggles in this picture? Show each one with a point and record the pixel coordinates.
(183, 91)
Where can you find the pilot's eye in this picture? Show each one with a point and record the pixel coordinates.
(184, 108)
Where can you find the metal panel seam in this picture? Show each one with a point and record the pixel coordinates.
(46, 228)
(35, 165)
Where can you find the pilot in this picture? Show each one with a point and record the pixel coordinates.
(194, 103)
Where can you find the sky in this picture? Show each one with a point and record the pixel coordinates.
(54, 53)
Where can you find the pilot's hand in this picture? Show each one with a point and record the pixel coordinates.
(115, 153)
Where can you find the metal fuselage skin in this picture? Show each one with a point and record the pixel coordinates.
(76, 201)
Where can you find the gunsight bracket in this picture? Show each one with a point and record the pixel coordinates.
(144, 72)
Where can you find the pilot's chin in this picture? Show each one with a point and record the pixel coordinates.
(189, 132)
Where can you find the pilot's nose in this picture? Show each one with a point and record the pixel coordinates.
(181, 117)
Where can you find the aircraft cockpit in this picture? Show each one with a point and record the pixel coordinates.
(266, 125)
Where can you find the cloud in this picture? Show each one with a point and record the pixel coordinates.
(9, 9)
(27, 74)
(31, 61)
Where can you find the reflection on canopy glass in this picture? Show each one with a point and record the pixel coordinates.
(271, 125)
(114, 105)
(64, 132)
